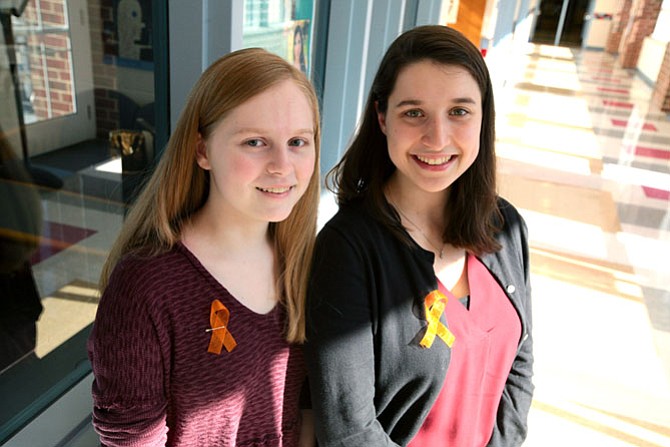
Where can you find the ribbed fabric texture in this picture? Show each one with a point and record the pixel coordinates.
(156, 384)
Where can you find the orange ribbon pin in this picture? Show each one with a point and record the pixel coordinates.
(434, 304)
(221, 336)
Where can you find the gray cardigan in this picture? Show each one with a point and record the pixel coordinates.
(371, 383)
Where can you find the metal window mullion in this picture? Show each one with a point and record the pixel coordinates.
(45, 76)
(561, 22)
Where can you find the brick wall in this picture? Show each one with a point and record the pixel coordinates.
(50, 55)
(661, 94)
(643, 22)
(49, 59)
(618, 27)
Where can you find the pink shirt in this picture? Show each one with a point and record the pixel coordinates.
(487, 337)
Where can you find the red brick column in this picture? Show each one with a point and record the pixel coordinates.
(618, 27)
(643, 23)
(661, 95)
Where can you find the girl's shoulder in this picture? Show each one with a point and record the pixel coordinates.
(353, 224)
(354, 215)
(512, 220)
(151, 284)
(143, 272)
(508, 210)
(513, 234)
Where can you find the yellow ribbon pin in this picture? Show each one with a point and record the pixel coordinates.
(434, 304)
(218, 319)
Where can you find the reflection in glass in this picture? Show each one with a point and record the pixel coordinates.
(20, 228)
(44, 58)
(83, 83)
(281, 26)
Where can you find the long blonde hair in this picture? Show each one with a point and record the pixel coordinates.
(179, 187)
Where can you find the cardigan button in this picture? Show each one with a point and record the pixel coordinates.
(511, 288)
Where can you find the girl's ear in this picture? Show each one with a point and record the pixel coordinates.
(381, 118)
(201, 153)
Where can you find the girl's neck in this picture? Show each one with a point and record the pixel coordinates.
(425, 206)
(240, 257)
(225, 232)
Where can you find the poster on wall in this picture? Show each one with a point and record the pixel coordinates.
(282, 27)
(127, 36)
(299, 44)
(302, 12)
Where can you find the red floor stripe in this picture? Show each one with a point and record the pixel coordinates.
(607, 79)
(624, 123)
(654, 193)
(661, 154)
(625, 105)
(614, 90)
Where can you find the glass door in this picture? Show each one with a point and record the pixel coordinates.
(560, 22)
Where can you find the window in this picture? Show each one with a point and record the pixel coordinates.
(77, 93)
(662, 30)
(44, 59)
(282, 27)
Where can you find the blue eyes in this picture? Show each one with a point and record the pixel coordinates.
(415, 113)
(254, 143)
(297, 142)
(258, 143)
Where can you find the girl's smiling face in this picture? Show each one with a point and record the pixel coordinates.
(261, 156)
(432, 125)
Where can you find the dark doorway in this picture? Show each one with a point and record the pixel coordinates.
(547, 26)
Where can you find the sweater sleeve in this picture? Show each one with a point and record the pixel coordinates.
(129, 398)
(511, 425)
(339, 351)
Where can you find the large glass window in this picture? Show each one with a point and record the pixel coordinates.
(77, 128)
(662, 30)
(284, 27)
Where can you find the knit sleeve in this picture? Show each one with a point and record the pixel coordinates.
(339, 351)
(126, 352)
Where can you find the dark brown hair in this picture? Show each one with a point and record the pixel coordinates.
(471, 213)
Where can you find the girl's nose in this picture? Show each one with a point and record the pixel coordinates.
(279, 162)
(438, 133)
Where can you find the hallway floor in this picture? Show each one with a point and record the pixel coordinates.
(586, 159)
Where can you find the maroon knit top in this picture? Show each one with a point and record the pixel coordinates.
(156, 384)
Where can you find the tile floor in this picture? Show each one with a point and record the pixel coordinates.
(587, 161)
(78, 231)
